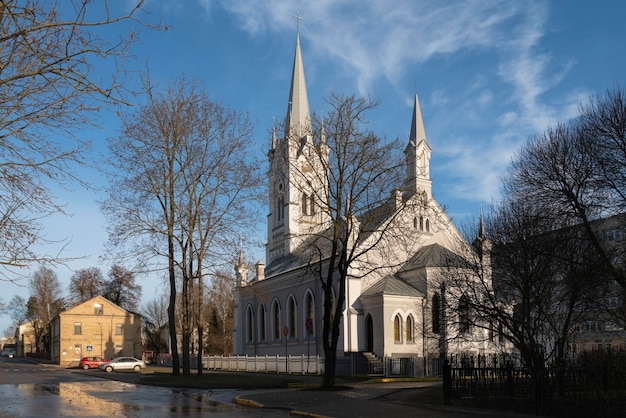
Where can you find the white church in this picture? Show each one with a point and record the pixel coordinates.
(401, 309)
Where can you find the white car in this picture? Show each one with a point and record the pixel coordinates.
(123, 363)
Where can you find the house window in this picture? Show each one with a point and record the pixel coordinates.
(98, 309)
(292, 318)
(118, 350)
(409, 329)
(262, 336)
(435, 312)
(118, 329)
(78, 328)
(276, 320)
(396, 328)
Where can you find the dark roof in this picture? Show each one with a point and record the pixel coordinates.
(391, 285)
(434, 255)
(307, 253)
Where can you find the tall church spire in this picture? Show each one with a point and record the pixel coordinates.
(418, 133)
(297, 121)
(417, 154)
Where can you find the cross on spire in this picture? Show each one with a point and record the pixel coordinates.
(298, 19)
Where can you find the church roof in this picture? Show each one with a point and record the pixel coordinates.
(434, 255)
(391, 285)
(298, 120)
(307, 253)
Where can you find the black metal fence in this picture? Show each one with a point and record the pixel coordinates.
(592, 383)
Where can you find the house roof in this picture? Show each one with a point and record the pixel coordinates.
(100, 299)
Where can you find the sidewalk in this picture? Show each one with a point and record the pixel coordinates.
(363, 400)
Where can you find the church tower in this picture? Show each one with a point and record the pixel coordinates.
(417, 154)
(295, 180)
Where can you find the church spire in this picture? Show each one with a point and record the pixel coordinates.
(297, 121)
(418, 133)
(417, 154)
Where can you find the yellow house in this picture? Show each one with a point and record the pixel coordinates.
(97, 327)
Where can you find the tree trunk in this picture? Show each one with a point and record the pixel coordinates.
(171, 310)
(186, 328)
(200, 321)
(330, 363)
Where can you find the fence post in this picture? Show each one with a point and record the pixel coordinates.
(447, 383)
(509, 378)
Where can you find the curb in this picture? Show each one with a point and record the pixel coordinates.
(247, 402)
(254, 404)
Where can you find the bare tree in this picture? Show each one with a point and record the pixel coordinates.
(121, 288)
(85, 284)
(188, 181)
(18, 311)
(603, 121)
(348, 177)
(576, 172)
(44, 304)
(155, 324)
(48, 90)
(219, 313)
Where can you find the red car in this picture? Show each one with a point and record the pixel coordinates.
(91, 362)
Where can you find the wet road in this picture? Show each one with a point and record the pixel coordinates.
(30, 390)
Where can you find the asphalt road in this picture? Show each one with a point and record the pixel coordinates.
(35, 390)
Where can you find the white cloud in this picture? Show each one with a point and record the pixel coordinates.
(376, 40)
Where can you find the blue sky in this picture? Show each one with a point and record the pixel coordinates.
(489, 75)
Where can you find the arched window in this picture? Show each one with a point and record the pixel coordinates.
(249, 325)
(262, 323)
(435, 313)
(409, 329)
(397, 325)
(292, 318)
(309, 314)
(308, 204)
(464, 317)
(275, 321)
(421, 223)
(427, 225)
(414, 223)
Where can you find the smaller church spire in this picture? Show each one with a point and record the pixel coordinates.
(418, 133)
(274, 137)
(417, 154)
(481, 227)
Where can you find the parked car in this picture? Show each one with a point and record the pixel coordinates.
(123, 363)
(91, 362)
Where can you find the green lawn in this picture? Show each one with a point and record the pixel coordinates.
(222, 381)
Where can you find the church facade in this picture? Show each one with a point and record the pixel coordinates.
(400, 308)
